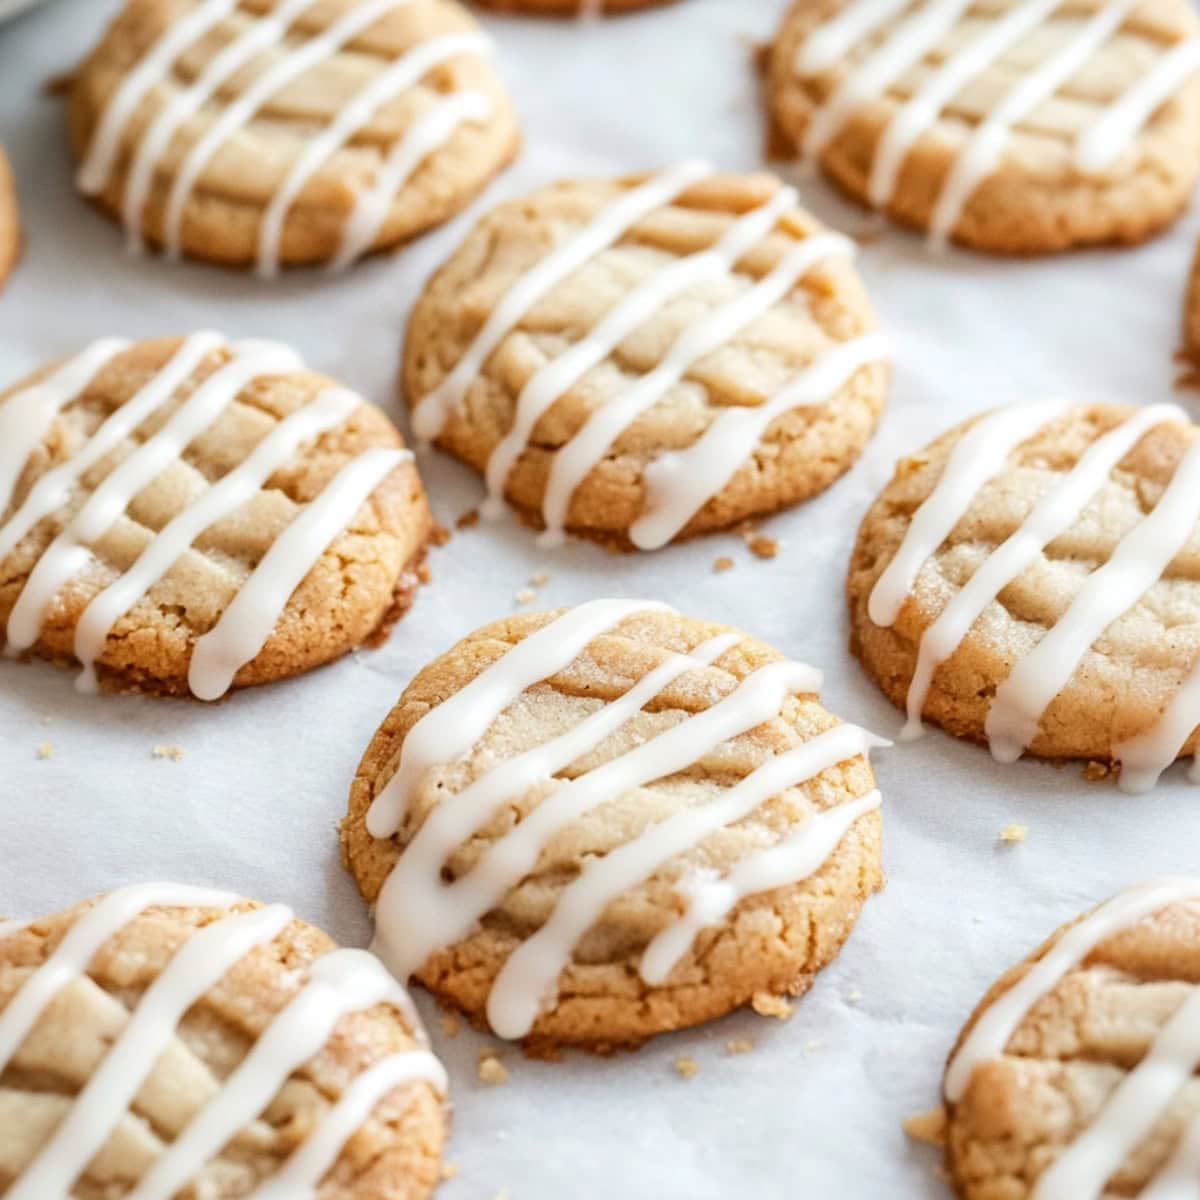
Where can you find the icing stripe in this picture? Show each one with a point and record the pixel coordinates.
(53, 489)
(298, 1178)
(1052, 516)
(291, 66)
(560, 374)
(531, 969)
(66, 555)
(825, 46)
(604, 230)
(417, 922)
(341, 982)
(81, 942)
(448, 731)
(97, 166)
(1102, 142)
(228, 494)
(399, 76)
(679, 483)
(796, 858)
(203, 960)
(575, 460)
(1144, 758)
(428, 133)
(1136, 565)
(26, 416)
(979, 456)
(258, 37)
(981, 154)
(244, 627)
(995, 1026)
(1180, 1178)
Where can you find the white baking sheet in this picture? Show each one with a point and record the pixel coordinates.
(815, 1109)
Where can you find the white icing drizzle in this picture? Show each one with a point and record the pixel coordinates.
(532, 968)
(831, 42)
(424, 136)
(67, 555)
(1144, 1094)
(575, 460)
(1144, 758)
(244, 627)
(1137, 563)
(26, 416)
(228, 494)
(679, 483)
(605, 229)
(342, 982)
(291, 66)
(449, 730)
(1102, 142)
(560, 374)
(196, 968)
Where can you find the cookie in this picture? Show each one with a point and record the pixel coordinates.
(640, 360)
(1010, 126)
(1032, 579)
(1191, 314)
(588, 826)
(164, 1039)
(274, 132)
(193, 514)
(568, 8)
(1075, 1079)
(10, 220)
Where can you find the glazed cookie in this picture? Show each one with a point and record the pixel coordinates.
(1012, 126)
(1075, 1079)
(193, 514)
(589, 826)
(164, 1040)
(10, 223)
(643, 359)
(1191, 315)
(283, 131)
(1032, 579)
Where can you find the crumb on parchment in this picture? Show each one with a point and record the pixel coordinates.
(763, 547)
(439, 535)
(687, 1067)
(739, 1046)
(468, 520)
(539, 578)
(173, 752)
(491, 1069)
(45, 749)
(768, 1005)
(449, 1170)
(724, 563)
(525, 596)
(928, 1127)
(450, 1024)
(1011, 834)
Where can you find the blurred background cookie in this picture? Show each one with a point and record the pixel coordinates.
(10, 220)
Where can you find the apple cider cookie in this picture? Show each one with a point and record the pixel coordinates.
(1076, 1077)
(10, 220)
(1032, 579)
(282, 131)
(589, 826)
(190, 514)
(164, 1040)
(639, 360)
(1011, 126)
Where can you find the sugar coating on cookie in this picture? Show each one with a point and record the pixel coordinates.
(1012, 126)
(271, 132)
(10, 220)
(643, 359)
(1032, 579)
(162, 1039)
(593, 825)
(1075, 1078)
(191, 514)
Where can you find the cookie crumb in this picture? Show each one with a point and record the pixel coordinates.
(451, 1025)
(763, 547)
(767, 1005)
(724, 563)
(813, 1045)
(853, 996)
(503, 1194)
(1014, 833)
(491, 1069)
(174, 753)
(439, 535)
(525, 596)
(539, 578)
(928, 1127)
(45, 749)
(686, 1066)
(739, 1046)
(449, 1170)
(468, 520)
(1095, 771)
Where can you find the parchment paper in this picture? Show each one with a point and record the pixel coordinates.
(815, 1109)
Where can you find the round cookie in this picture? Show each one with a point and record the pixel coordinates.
(192, 514)
(643, 359)
(1032, 579)
(1009, 126)
(1191, 314)
(274, 132)
(10, 220)
(1075, 1078)
(164, 1039)
(589, 826)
